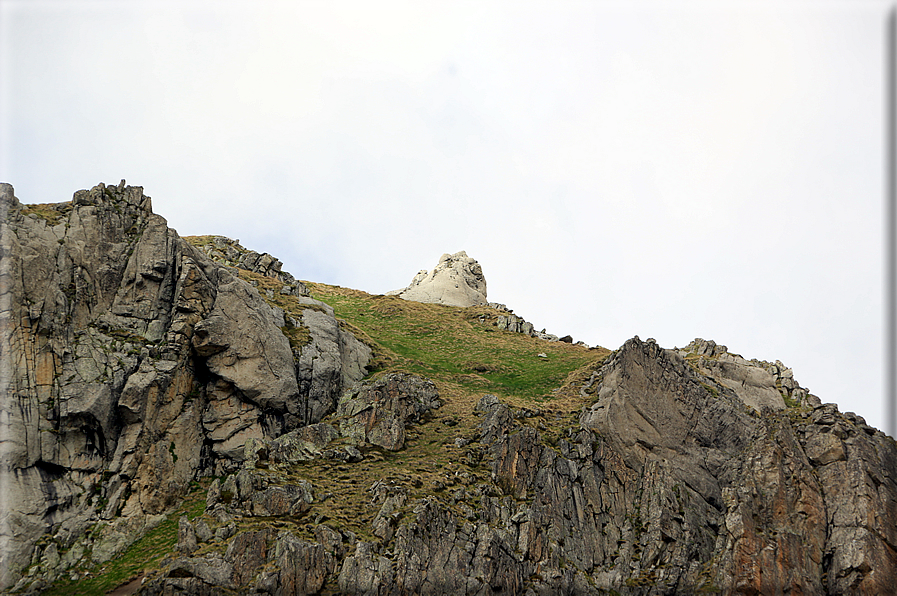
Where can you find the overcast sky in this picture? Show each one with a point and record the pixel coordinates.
(668, 170)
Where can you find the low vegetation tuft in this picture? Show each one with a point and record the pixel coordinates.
(52, 213)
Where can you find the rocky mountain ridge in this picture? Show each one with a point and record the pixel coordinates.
(141, 368)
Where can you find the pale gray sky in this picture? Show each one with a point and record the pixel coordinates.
(672, 170)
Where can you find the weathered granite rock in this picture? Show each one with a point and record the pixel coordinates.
(254, 493)
(457, 280)
(513, 323)
(187, 542)
(365, 572)
(304, 566)
(131, 365)
(759, 384)
(261, 562)
(332, 361)
(303, 444)
(241, 342)
(391, 499)
(229, 252)
(378, 412)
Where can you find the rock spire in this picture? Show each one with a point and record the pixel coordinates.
(457, 280)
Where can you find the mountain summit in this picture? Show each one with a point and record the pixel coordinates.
(457, 280)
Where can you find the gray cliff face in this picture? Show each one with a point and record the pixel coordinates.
(132, 365)
(669, 483)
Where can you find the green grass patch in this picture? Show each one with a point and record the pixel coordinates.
(444, 343)
(711, 389)
(458, 345)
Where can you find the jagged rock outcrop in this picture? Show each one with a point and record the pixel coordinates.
(508, 321)
(757, 383)
(378, 412)
(133, 364)
(457, 280)
(229, 252)
(515, 324)
(669, 484)
(375, 414)
(298, 567)
(329, 358)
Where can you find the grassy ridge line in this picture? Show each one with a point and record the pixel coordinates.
(457, 345)
(444, 343)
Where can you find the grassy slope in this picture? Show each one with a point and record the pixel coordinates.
(462, 352)
(456, 346)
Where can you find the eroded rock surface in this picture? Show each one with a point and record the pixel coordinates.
(378, 412)
(132, 365)
(758, 383)
(229, 252)
(457, 280)
(669, 483)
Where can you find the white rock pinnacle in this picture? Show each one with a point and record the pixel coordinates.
(456, 281)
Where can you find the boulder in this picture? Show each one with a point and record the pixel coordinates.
(243, 344)
(379, 411)
(457, 280)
